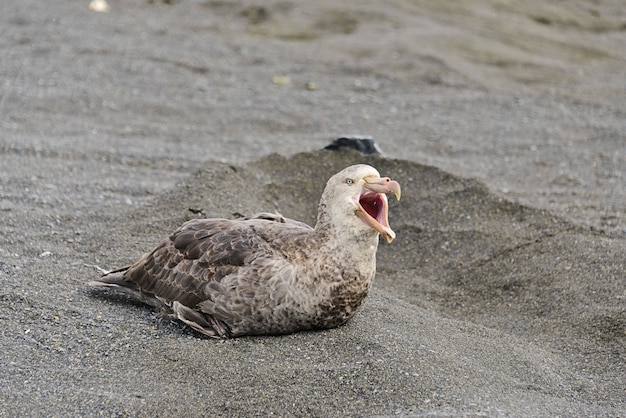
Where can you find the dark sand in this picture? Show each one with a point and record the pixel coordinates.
(504, 293)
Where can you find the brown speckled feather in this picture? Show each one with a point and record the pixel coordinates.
(264, 274)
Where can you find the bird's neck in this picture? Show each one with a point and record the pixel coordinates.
(345, 243)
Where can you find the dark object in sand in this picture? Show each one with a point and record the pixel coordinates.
(267, 274)
(366, 146)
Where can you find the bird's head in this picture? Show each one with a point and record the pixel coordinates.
(356, 199)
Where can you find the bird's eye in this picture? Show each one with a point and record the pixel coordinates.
(349, 182)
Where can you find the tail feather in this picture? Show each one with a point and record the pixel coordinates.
(116, 280)
(113, 279)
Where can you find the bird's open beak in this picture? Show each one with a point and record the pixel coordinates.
(372, 205)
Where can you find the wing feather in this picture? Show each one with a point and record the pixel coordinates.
(215, 267)
(197, 253)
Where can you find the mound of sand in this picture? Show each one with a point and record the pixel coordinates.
(480, 306)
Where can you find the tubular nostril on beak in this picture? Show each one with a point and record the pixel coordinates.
(383, 185)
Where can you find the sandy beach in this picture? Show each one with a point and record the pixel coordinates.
(504, 293)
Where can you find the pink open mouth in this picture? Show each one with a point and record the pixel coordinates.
(373, 208)
(375, 204)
